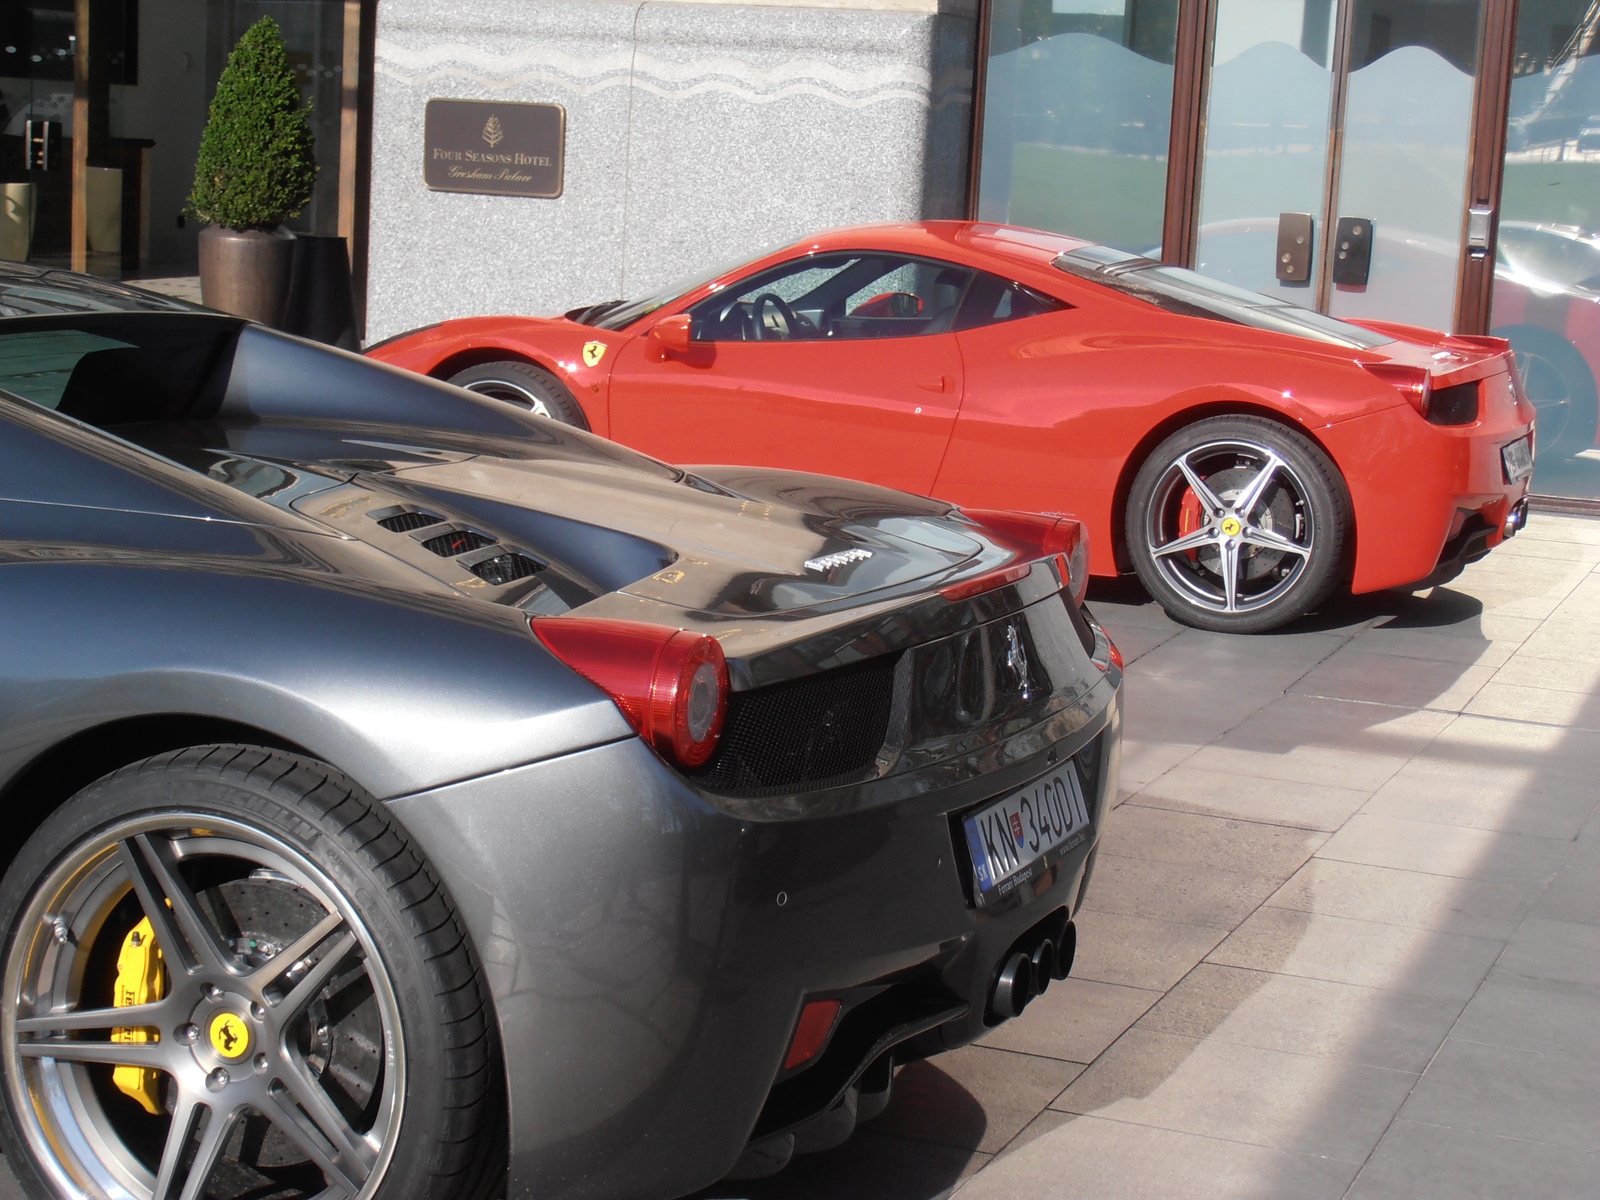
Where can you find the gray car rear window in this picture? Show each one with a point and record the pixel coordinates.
(1179, 291)
(37, 364)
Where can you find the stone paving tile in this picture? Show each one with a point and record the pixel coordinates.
(1213, 660)
(974, 1098)
(1420, 962)
(1239, 753)
(1417, 1161)
(1414, 899)
(1185, 712)
(1510, 797)
(1306, 806)
(1302, 1016)
(1240, 1092)
(1174, 892)
(1550, 1098)
(1355, 674)
(1574, 675)
(1066, 1157)
(1139, 952)
(1342, 724)
(1542, 1015)
(1468, 646)
(1548, 706)
(1193, 840)
(1564, 639)
(1074, 1021)
(1559, 951)
(1437, 849)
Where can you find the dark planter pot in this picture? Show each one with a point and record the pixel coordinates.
(321, 298)
(247, 272)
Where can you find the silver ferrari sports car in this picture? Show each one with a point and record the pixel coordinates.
(410, 796)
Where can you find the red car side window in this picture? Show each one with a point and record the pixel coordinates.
(992, 300)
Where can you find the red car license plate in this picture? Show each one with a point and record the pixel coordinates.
(1518, 459)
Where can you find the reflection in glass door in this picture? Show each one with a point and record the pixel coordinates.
(1335, 160)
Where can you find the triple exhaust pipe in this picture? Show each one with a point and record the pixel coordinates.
(1039, 956)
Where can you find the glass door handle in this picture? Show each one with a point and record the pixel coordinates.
(1480, 219)
(1352, 251)
(1295, 238)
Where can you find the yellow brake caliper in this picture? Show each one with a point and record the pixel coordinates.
(141, 979)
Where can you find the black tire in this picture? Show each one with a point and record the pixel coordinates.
(1561, 385)
(392, 993)
(1288, 550)
(526, 386)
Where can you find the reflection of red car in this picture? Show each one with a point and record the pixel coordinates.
(1546, 303)
(1243, 456)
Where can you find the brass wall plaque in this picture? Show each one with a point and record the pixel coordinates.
(494, 148)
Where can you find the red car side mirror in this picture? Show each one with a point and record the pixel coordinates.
(670, 336)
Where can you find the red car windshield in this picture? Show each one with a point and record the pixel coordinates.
(619, 314)
(1179, 291)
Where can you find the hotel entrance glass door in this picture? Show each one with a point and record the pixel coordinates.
(1337, 137)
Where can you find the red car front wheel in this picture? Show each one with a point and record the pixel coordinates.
(526, 386)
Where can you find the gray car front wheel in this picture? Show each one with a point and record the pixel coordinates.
(227, 973)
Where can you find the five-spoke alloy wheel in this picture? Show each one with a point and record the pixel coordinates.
(196, 1003)
(1237, 524)
(524, 385)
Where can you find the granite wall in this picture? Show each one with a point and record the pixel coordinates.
(697, 134)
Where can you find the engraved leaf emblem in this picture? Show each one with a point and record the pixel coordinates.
(492, 133)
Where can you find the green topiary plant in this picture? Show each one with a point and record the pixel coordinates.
(257, 159)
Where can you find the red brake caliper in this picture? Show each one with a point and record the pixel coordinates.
(1190, 517)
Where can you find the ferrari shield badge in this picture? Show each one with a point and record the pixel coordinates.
(593, 352)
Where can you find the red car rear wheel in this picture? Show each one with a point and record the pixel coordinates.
(1238, 524)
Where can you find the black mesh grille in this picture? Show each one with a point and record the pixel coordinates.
(505, 568)
(457, 541)
(809, 733)
(407, 521)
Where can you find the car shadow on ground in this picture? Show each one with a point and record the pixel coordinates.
(926, 1144)
(919, 1149)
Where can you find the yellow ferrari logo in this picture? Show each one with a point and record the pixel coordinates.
(229, 1035)
(1231, 526)
(593, 352)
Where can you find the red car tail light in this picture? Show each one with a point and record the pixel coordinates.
(1414, 383)
(1044, 536)
(986, 582)
(671, 684)
(811, 1033)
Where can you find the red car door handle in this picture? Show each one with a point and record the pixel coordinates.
(939, 383)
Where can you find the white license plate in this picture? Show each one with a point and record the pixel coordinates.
(1518, 459)
(1010, 838)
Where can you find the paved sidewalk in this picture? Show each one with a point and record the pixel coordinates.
(1344, 937)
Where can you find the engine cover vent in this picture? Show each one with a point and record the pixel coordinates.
(405, 522)
(505, 568)
(456, 541)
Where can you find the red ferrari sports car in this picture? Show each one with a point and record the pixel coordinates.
(1243, 456)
